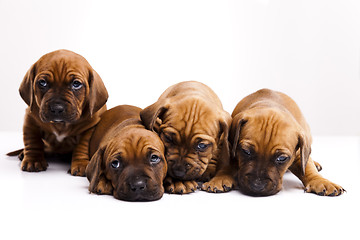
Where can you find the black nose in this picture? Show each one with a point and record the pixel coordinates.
(57, 108)
(258, 184)
(138, 184)
(179, 172)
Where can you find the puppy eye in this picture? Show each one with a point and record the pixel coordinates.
(154, 159)
(281, 159)
(246, 152)
(168, 138)
(115, 164)
(76, 85)
(202, 146)
(42, 83)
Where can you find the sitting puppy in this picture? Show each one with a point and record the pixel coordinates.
(127, 160)
(193, 125)
(269, 135)
(65, 98)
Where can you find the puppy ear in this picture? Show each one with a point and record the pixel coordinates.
(235, 129)
(224, 137)
(26, 88)
(98, 94)
(95, 169)
(305, 150)
(150, 114)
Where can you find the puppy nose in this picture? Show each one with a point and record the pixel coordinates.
(57, 108)
(258, 184)
(138, 184)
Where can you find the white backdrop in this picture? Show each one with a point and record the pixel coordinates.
(308, 49)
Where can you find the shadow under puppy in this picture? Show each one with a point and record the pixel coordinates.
(65, 97)
(269, 136)
(193, 125)
(127, 160)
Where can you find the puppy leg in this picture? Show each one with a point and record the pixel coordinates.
(179, 187)
(80, 156)
(313, 181)
(33, 159)
(222, 182)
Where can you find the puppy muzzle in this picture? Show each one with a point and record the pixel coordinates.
(139, 188)
(258, 186)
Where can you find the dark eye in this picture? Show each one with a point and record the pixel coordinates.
(115, 164)
(168, 138)
(282, 158)
(246, 152)
(76, 85)
(42, 83)
(202, 146)
(154, 159)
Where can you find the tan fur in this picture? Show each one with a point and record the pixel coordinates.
(120, 136)
(189, 116)
(81, 109)
(268, 126)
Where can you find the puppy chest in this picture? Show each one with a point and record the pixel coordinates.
(59, 142)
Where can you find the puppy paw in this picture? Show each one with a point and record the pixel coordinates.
(103, 187)
(180, 187)
(78, 168)
(31, 165)
(219, 184)
(323, 187)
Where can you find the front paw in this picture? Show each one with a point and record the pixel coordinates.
(78, 167)
(104, 187)
(33, 165)
(324, 187)
(179, 187)
(219, 184)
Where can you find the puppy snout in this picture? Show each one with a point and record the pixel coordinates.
(179, 171)
(57, 108)
(258, 185)
(138, 184)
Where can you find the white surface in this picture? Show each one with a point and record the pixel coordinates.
(55, 205)
(308, 49)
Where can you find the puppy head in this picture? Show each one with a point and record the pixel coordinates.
(62, 87)
(133, 162)
(194, 135)
(265, 143)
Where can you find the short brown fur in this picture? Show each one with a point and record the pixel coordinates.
(65, 97)
(269, 136)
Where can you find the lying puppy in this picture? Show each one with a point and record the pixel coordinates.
(65, 98)
(127, 160)
(269, 135)
(193, 125)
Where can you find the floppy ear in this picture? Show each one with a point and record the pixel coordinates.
(98, 94)
(26, 87)
(305, 150)
(150, 114)
(224, 137)
(95, 169)
(235, 129)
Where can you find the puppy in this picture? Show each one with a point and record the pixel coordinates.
(269, 136)
(65, 97)
(193, 125)
(127, 160)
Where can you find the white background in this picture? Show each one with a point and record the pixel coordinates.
(307, 49)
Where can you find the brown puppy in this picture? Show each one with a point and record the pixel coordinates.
(193, 125)
(269, 135)
(127, 160)
(65, 98)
